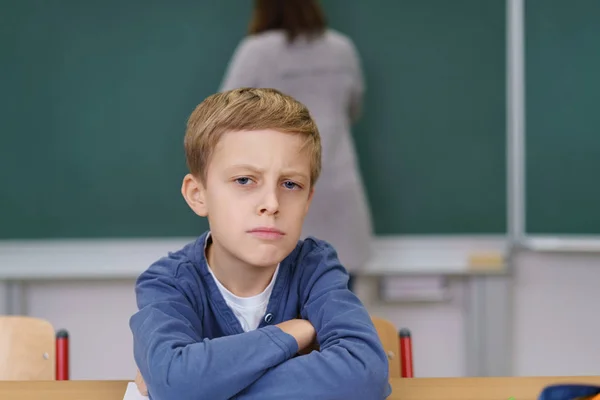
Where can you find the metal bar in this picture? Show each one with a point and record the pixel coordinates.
(490, 316)
(3, 298)
(499, 327)
(474, 330)
(15, 303)
(515, 106)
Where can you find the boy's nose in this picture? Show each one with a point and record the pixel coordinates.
(270, 203)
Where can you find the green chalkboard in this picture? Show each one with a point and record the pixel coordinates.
(93, 105)
(563, 116)
(433, 141)
(95, 96)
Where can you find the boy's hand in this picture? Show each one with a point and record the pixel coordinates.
(314, 346)
(141, 385)
(301, 330)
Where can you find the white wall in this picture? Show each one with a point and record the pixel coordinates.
(96, 314)
(557, 309)
(557, 301)
(437, 329)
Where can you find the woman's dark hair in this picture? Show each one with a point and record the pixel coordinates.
(295, 17)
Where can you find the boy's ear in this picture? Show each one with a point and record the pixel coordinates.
(194, 194)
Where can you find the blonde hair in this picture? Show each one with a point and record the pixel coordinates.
(247, 109)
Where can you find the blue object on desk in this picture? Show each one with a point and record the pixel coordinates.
(568, 392)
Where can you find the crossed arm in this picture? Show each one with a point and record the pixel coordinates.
(176, 361)
(301, 330)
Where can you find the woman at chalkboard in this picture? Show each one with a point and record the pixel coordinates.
(290, 48)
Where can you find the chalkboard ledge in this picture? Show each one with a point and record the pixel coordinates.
(562, 244)
(435, 255)
(127, 258)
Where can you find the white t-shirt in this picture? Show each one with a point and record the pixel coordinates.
(248, 310)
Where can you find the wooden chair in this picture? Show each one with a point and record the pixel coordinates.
(397, 345)
(31, 350)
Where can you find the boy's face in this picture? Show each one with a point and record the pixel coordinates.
(256, 195)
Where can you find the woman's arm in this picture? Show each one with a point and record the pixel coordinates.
(358, 88)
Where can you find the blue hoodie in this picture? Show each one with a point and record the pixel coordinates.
(188, 344)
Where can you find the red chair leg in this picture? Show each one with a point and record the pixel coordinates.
(62, 355)
(406, 358)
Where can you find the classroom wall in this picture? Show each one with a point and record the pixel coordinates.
(555, 323)
(437, 328)
(553, 335)
(556, 318)
(96, 314)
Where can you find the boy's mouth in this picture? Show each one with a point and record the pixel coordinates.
(265, 232)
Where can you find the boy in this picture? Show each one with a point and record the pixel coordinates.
(227, 315)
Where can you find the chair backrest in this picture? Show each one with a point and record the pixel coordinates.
(27, 349)
(389, 339)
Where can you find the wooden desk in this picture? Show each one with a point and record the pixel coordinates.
(525, 388)
(521, 388)
(63, 390)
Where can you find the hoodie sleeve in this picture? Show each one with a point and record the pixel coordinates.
(351, 363)
(175, 358)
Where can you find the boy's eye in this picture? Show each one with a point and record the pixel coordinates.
(243, 180)
(290, 185)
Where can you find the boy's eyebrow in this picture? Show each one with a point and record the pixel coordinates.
(255, 169)
(295, 173)
(245, 166)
